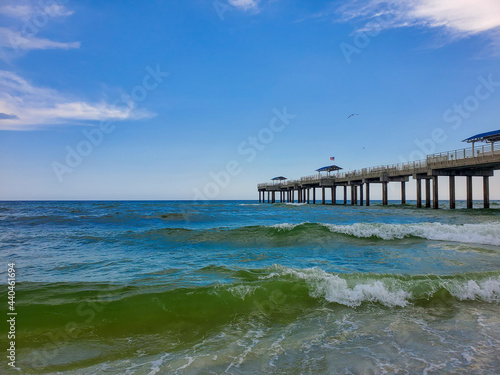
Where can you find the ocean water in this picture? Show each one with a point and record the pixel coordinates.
(238, 287)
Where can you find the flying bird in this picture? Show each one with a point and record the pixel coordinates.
(353, 114)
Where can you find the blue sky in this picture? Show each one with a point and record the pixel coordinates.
(160, 99)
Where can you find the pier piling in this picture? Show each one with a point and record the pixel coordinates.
(452, 193)
(486, 192)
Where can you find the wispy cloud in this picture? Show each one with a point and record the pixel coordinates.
(28, 10)
(16, 40)
(27, 20)
(245, 4)
(456, 18)
(38, 107)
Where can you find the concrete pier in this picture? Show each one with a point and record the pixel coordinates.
(468, 163)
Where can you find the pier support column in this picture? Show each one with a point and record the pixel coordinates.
(314, 195)
(334, 195)
(452, 192)
(469, 192)
(361, 195)
(259, 196)
(419, 193)
(345, 194)
(435, 193)
(486, 192)
(308, 195)
(268, 196)
(385, 198)
(427, 193)
(367, 193)
(403, 192)
(274, 196)
(323, 196)
(353, 194)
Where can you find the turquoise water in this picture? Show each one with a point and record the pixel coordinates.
(240, 287)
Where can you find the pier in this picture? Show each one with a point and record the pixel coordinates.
(476, 161)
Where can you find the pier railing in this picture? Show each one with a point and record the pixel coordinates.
(467, 156)
(449, 159)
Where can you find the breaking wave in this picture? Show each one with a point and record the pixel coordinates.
(286, 233)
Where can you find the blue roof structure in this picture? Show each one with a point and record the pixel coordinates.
(493, 136)
(329, 168)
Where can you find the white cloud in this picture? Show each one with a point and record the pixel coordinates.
(30, 107)
(457, 18)
(15, 40)
(245, 4)
(29, 9)
(464, 16)
(28, 18)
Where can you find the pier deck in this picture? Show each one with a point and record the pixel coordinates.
(469, 162)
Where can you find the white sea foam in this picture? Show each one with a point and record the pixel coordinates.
(390, 292)
(242, 290)
(484, 233)
(336, 289)
(285, 226)
(487, 290)
(156, 365)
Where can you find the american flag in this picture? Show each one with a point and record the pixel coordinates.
(332, 158)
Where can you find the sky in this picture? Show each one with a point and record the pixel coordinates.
(203, 99)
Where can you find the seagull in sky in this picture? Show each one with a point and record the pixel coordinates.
(353, 114)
